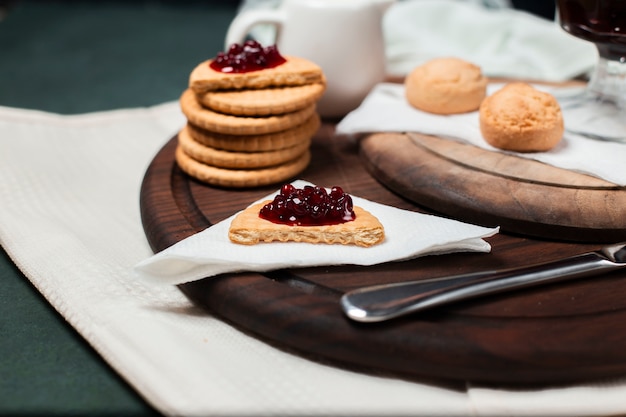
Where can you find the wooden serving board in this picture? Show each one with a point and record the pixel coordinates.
(574, 331)
(492, 188)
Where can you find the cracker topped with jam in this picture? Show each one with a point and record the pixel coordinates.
(252, 66)
(309, 214)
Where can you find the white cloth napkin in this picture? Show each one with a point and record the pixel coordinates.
(386, 109)
(70, 220)
(407, 235)
(504, 42)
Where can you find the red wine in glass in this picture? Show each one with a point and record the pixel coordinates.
(602, 22)
(602, 109)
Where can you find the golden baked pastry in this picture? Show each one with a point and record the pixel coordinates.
(446, 86)
(248, 228)
(520, 118)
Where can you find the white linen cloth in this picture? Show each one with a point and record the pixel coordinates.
(504, 42)
(386, 109)
(69, 187)
(407, 235)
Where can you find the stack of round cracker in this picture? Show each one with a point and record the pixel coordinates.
(249, 129)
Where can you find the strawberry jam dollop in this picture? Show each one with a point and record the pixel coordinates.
(309, 206)
(247, 57)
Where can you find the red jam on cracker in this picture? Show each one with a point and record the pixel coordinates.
(309, 206)
(250, 56)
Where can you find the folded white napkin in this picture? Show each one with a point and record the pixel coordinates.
(70, 221)
(407, 235)
(503, 42)
(386, 109)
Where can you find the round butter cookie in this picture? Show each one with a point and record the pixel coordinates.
(238, 160)
(263, 102)
(446, 86)
(239, 125)
(241, 178)
(295, 71)
(520, 118)
(257, 143)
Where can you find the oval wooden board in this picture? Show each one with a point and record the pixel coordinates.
(491, 188)
(570, 332)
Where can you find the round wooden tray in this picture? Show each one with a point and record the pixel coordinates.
(574, 331)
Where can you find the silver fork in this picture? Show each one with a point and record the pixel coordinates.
(383, 302)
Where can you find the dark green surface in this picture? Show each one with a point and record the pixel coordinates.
(46, 368)
(81, 56)
(75, 57)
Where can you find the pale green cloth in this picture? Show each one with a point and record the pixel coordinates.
(504, 42)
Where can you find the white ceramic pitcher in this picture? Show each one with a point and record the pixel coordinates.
(344, 37)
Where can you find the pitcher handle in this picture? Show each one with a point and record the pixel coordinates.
(243, 23)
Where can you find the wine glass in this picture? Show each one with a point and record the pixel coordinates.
(600, 112)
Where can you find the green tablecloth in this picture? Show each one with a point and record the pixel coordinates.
(75, 57)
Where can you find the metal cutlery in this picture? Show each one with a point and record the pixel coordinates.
(383, 302)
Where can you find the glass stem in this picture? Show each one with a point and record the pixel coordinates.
(608, 80)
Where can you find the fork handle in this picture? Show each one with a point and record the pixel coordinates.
(383, 302)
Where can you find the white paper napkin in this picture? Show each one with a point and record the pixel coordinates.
(386, 109)
(407, 235)
(70, 221)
